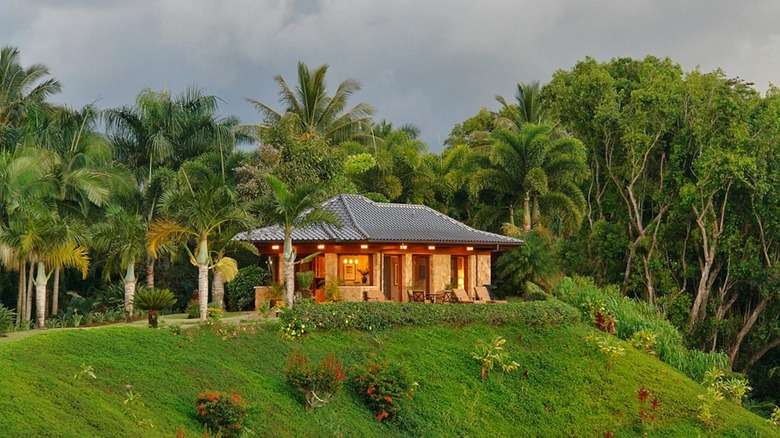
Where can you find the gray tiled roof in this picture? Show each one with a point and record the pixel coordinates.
(365, 220)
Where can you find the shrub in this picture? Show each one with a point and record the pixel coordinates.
(221, 413)
(6, 318)
(733, 388)
(193, 306)
(644, 340)
(110, 297)
(774, 418)
(490, 354)
(610, 348)
(307, 317)
(153, 301)
(385, 387)
(241, 291)
(635, 316)
(318, 384)
(213, 313)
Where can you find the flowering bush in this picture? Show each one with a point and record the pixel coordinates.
(318, 384)
(213, 314)
(386, 387)
(221, 413)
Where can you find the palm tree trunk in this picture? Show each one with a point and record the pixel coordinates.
(527, 213)
(218, 289)
(55, 293)
(203, 290)
(149, 272)
(29, 293)
(20, 299)
(289, 282)
(40, 296)
(129, 290)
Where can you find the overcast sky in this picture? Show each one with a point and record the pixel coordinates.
(430, 63)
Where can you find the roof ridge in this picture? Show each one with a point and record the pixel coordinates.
(462, 225)
(352, 215)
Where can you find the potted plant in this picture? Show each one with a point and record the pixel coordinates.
(364, 274)
(276, 294)
(305, 280)
(153, 301)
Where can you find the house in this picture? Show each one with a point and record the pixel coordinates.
(387, 247)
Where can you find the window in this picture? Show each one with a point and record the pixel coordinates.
(458, 272)
(355, 269)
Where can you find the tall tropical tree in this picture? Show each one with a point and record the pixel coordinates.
(530, 168)
(45, 240)
(313, 110)
(292, 209)
(82, 170)
(528, 107)
(162, 131)
(20, 89)
(193, 212)
(122, 237)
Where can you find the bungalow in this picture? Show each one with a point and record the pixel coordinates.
(385, 247)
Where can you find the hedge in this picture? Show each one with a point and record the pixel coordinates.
(370, 316)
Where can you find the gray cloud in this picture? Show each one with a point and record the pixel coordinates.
(432, 63)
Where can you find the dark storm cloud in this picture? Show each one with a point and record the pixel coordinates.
(432, 63)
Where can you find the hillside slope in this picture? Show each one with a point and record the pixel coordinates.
(567, 390)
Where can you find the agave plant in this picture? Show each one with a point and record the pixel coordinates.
(153, 301)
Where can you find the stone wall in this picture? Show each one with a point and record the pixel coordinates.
(440, 271)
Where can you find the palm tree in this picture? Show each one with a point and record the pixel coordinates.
(313, 110)
(45, 240)
(291, 210)
(20, 90)
(163, 131)
(528, 109)
(122, 236)
(22, 179)
(81, 166)
(542, 173)
(196, 210)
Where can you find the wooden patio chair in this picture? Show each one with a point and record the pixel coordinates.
(481, 293)
(447, 296)
(373, 295)
(460, 296)
(416, 296)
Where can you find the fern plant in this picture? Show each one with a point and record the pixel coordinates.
(153, 301)
(6, 318)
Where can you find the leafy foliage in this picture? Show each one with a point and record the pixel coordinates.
(319, 383)
(7, 317)
(153, 301)
(222, 413)
(241, 291)
(385, 386)
(365, 316)
(490, 354)
(635, 316)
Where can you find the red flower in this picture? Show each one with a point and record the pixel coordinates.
(655, 403)
(388, 399)
(370, 390)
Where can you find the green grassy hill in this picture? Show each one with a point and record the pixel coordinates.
(567, 390)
